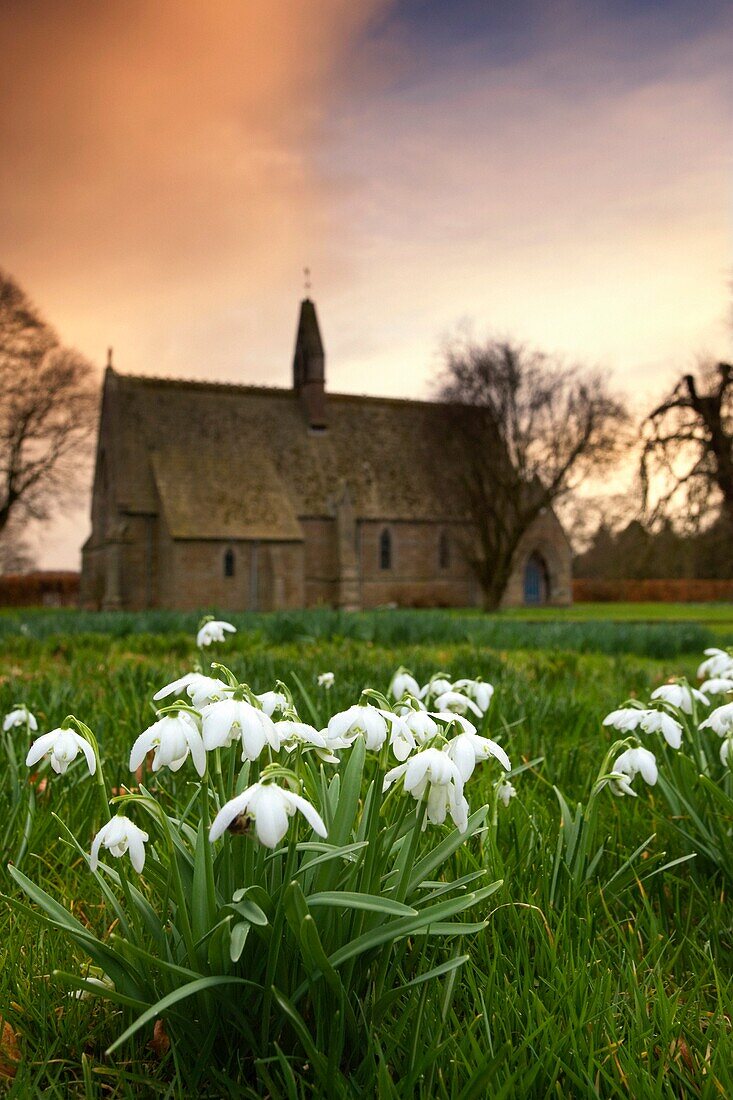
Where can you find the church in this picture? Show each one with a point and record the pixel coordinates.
(256, 498)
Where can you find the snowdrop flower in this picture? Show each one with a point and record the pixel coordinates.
(480, 692)
(401, 737)
(628, 719)
(454, 718)
(467, 749)
(230, 720)
(199, 688)
(62, 746)
(438, 685)
(325, 680)
(359, 721)
(420, 724)
(432, 772)
(269, 807)
(213, 631)
(719, 663)
(172, 737)
(19, 716)
(681, 696)
(718, 685)
(726, 756)
(720, 720)
(456, 703)
(273, 701)
(292, 734)
(629, 765)
(624, 719)
(505, 792)
(403, 683)
(657, 721)
(118, 836)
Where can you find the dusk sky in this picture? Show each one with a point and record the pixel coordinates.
(554, 171)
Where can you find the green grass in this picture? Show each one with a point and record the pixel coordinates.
(573, 992)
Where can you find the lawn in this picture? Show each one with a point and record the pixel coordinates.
(600, 977)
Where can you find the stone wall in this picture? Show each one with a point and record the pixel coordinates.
(415, 577)
(546, 538)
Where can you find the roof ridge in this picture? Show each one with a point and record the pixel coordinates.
(274, 391)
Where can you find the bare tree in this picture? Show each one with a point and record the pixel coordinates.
(687, 455)
(48, 402)
(536, 430)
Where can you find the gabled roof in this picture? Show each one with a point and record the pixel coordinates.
(239, 462)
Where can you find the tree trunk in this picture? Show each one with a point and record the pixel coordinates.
(494, 585)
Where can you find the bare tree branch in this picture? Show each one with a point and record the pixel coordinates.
(537, 429)
(48, 403)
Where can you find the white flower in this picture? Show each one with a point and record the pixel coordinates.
(62, 746)
(480, 692)
(629, 765)
(449, 717)
(718, 685)
(199, 688)
(359, 721)
(432, 771)
(456, 703)
(173, 737)
(438, 685)
(214, 632)
(681, 696)
(420, 724)
(467, 749)
(230, 720)
(719, 663)
(657, 721)
(269, 807)
(720, 720)
(118, 836)
(725, 754)
(505, 791)
(401, 737)
(625, 718)
(292, 734)
(325, 680)
(403, 683)
(272, 701)
(20, 716)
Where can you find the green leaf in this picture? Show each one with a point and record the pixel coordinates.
(429, 976)
(178, 995)
(344, 899)
(438, 855)
(239, 934)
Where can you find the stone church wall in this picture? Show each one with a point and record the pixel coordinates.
(547, 538)
(321, 562)
(415, 577)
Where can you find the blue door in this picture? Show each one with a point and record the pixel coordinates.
(535, 580)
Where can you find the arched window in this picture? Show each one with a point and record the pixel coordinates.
(536, 580)
(229, 563)
(443, 551)
(385, 550)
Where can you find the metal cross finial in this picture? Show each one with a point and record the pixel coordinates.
(307, 277)
(109, 357)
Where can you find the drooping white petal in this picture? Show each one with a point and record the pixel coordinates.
(40, 747)
(88, 751)
(229, 812)
(269, 808)
(309, 812)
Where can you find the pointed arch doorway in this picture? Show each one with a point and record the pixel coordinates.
(536, 581)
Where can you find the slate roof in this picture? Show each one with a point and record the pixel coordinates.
(239, 462)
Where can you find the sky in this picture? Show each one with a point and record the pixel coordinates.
(554, 171)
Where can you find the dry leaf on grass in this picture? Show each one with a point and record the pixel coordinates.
(160, 1044)
(9, 1050)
